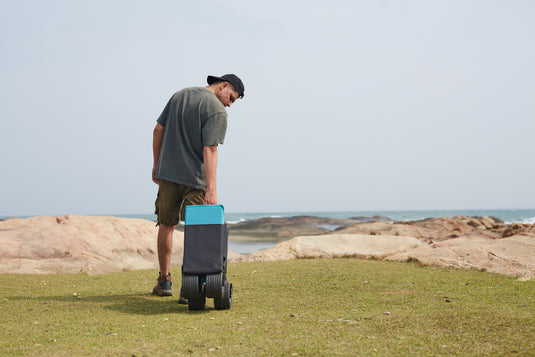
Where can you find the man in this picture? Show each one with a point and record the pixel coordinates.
(185, 140)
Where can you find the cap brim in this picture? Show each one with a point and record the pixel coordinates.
(213, 79)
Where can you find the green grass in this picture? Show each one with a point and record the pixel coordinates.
(337, 307)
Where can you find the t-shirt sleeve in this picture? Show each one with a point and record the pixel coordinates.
(214, 129)
(163, 117)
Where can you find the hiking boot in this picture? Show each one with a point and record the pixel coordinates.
(182, 300)
(163, 288)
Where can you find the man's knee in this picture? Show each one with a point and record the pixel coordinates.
(166, 229)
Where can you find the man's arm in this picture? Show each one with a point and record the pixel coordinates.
(157, 137)
(210, 168)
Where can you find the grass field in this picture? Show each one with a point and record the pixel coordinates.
(338, 307)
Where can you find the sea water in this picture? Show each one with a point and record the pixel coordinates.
(509, 216)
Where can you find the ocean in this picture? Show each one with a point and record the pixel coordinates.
(507, 215)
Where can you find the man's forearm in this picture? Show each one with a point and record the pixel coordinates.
(210, 169)
(157, 137)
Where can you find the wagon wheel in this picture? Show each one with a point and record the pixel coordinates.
(191, 286)
(226, 300)
(214, 285)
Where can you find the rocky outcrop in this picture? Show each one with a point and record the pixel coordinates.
(519, 229)
(74, 244)
(482, 243)
(334, 246)
(363, 219)
(109, 244)
(513, 256)
(278, 229)
(435, 229)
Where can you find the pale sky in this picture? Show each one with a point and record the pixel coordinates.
(349, 105)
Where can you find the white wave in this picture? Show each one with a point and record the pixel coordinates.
(250, 218)
(530, 220)
(238, 221)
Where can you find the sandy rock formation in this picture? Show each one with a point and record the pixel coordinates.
(519, 229)
(74, 244)
(513, 256)
(380, 228)
(334, 246)
(460, 242)
(435, 229)
(108, 244)
(278, 229)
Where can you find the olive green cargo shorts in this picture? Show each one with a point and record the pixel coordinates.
(172, 200)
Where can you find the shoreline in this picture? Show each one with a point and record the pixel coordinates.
(509, 216)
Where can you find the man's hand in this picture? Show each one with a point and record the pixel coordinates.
(210, 198)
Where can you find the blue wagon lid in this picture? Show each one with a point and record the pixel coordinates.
(205, 214)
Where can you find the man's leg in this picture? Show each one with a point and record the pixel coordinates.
(165, 247)
(167, 209)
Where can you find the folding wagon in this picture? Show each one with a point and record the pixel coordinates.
(204, 270)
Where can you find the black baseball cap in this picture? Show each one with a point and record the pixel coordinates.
(232, 79)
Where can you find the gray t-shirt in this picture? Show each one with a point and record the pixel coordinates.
(193, 118)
